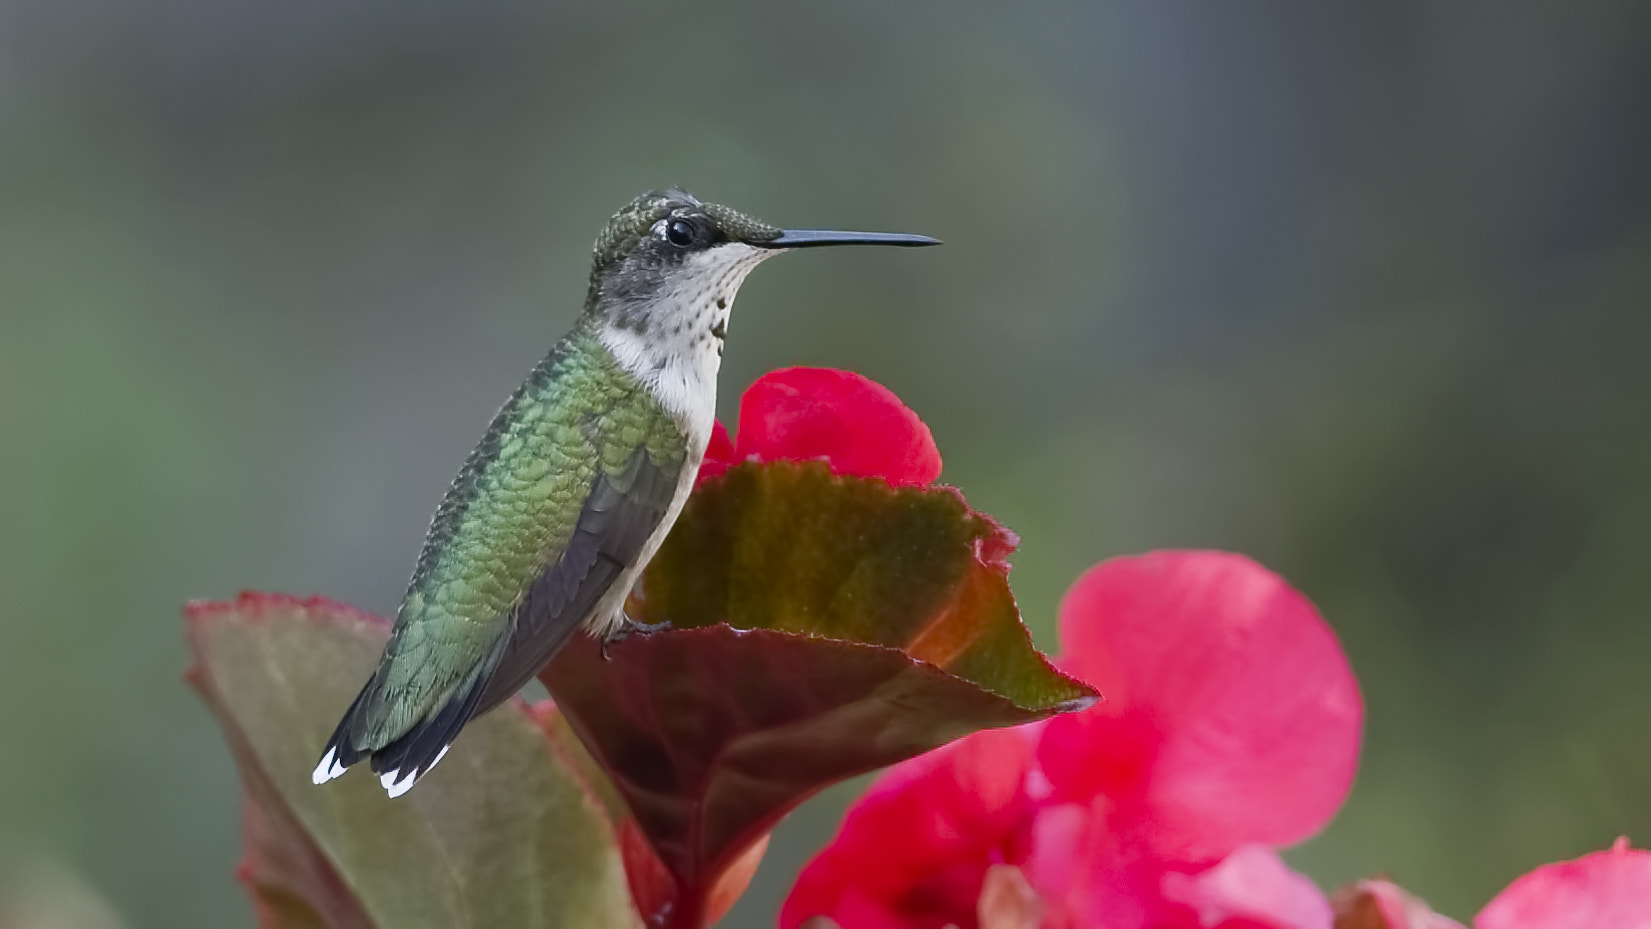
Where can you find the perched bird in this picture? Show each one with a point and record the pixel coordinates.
(573, 486)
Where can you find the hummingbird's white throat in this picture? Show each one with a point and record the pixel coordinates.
(672, 340)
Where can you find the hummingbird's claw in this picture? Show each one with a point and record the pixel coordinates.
(627, 628)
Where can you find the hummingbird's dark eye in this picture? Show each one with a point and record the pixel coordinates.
(680, 233)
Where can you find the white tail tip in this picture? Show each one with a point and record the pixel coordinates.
(395, 784)
(394, 789)
(328, 769)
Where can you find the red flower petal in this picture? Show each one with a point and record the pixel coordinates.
(719, 454)
(856, 424)
(1609, 888)
(1251, 887)
(918, 844)
(1230, 717)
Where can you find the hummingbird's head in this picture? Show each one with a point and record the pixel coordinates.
(667, 245)
(664, 239)
(663, 282)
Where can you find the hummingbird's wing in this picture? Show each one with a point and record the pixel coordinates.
(621, 514)
(619, 517)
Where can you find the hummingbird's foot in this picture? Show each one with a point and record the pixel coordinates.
(628, 627)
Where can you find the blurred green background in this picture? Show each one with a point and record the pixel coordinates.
(1360, 290)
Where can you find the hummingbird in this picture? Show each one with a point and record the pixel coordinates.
(573, 486)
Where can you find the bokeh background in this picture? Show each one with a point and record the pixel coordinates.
(1361, 290)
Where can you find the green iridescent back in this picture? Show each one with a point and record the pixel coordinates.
(514, 506)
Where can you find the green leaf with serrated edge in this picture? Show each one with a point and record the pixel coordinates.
(502, 833)
(822, 627)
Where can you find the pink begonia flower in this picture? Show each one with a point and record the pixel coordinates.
(1230, 724)
(1231, 715)
(854, 424)
(1604, 890)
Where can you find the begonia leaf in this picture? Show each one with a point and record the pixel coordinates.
(503, 833)
(823, 626)
(292, 884)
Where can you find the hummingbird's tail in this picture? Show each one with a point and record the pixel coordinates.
(400, 762)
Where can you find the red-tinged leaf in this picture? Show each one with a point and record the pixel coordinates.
(734, 879)
(652, 887)
(823, 627)
(503, 833)
(292, 884)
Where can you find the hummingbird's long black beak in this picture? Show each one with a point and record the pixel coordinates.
(808, 238)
